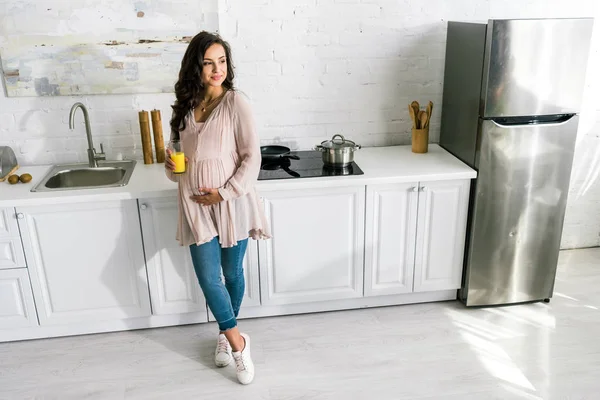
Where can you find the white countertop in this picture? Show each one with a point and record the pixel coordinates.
(380, 165)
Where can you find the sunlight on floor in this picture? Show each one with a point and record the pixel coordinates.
(564, 296)
(537, 315)
(521, 393)
(481, 328)
(480, 325)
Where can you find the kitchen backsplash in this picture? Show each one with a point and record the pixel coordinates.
(313, 68)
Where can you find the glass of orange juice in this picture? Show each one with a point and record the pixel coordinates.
(177, 156)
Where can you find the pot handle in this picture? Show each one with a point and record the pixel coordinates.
(340, 136)
(357, 147)
(319, 148)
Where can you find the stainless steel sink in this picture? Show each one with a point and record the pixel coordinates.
(82, 176)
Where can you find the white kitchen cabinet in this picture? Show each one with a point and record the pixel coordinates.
(316, 252)
(85, 261)
(17, 309)
(415, 236)
(441, 232)
(174, 288)
(391, 233)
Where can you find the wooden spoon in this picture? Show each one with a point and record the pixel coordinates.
(415, 105)
(429, 111)
(422, 119)
(411, 112)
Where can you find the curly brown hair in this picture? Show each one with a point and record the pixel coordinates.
(189, 87)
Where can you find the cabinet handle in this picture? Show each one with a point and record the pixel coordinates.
(424, 189)
(20, 215)
(414, 189)
(143, 206)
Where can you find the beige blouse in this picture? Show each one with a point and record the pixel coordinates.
(224, 154)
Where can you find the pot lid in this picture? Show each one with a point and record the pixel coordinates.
(338, 142)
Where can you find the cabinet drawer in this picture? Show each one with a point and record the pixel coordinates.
(11, 253)
(17, 309)
(8, 223)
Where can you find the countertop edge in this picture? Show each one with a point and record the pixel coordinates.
(149, 181)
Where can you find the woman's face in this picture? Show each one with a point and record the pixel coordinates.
(214, 66)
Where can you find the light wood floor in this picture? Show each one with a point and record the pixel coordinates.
(427, 351)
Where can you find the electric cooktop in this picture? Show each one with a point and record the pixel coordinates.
(302, 164)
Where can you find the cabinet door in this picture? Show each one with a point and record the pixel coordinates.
(441, 231)
(391, 230)
(252, 293)
(85, 261)
(8, 224)
(11, 249)
(11, 253)
(316, 253)
(17, 309)
(174, 288)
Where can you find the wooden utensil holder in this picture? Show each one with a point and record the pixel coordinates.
(420, 140)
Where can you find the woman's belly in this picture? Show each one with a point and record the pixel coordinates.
(211, 173)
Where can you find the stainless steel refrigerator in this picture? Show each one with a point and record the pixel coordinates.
(511, 103)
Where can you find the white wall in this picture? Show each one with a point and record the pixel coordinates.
(317, 67)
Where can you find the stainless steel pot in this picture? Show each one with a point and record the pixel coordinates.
(337, 153)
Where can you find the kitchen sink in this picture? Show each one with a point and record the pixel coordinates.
(82, 176)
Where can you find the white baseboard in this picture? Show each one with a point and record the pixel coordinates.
(155, 321)
(347, 304)
(40, 332)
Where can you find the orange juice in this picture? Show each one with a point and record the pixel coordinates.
(179, 160)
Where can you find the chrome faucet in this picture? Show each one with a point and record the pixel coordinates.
(93, 157)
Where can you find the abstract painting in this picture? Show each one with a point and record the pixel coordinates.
(58, 47)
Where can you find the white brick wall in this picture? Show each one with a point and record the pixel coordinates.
(314, 68)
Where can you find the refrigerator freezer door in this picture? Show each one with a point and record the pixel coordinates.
(534, 67)
(518, 211)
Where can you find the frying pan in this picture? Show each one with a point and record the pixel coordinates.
(284, 163)
(273, 151)
(279, 155)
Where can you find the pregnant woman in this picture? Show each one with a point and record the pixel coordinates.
(219, 208)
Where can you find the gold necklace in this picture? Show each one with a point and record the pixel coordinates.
(212, 101)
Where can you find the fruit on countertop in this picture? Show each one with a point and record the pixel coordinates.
(25, 178)
(14, 179)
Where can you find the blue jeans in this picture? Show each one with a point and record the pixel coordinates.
(224, 300)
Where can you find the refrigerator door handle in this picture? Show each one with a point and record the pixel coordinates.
(534, 122)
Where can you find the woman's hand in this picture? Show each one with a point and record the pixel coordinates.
(210, 197)
(169, 164)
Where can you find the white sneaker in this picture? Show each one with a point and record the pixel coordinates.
(222, 352)
(243, 363)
